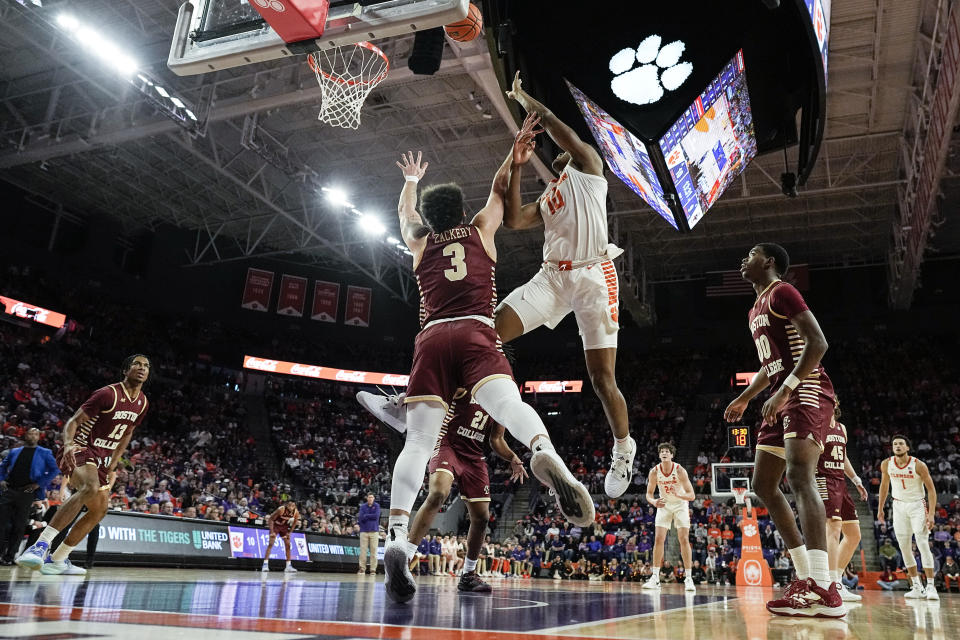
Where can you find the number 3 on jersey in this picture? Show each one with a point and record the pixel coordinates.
(458, 270)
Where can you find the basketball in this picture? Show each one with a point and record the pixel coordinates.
(467, 29)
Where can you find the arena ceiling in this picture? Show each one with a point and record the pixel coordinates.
(247, 179)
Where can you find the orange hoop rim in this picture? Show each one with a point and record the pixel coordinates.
(311, 60)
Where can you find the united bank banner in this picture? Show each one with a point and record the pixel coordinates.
(165, 538)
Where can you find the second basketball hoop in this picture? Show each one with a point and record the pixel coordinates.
(347, 75)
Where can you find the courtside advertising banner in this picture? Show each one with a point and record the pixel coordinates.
(142, 539)
(357, 313)
(257, 290)
(293, 296)
(326, 299)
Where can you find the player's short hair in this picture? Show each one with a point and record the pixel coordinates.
(441, 206)
(128, 361)
(780, 256)
(668, 446)
(836, 408)
(900, 436)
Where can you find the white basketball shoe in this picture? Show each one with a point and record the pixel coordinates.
(389, 410)
(621, 470)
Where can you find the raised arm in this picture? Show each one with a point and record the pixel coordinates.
(502, 449)
(508, 176)
(884, 487)
(583, 155)
(412, 229)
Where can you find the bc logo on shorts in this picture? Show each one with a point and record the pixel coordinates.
(786, 422)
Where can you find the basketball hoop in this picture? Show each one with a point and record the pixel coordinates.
(739, 494)
(347, 75)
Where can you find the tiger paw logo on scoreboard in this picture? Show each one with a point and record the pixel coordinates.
(660, 70)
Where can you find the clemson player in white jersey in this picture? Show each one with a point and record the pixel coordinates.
(906, 477)
(673, 507)
(577, 273)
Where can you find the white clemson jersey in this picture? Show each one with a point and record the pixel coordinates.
(905, 482)
(574, 212)
(669, 484)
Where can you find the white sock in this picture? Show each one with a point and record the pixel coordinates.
(424, 421)
(916, 581)
(622, 444)
(800, 562)
(48, 534)
(469, 565)
(62, 552)
(834, 575)
(411, 550)
(289, 564)
(398, 522)
(656, 573)
(501, 399)
(819, 567)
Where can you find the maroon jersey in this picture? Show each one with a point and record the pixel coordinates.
(834, 454)
(466, 429)
(778, 343)
(112, 413)
(455, 276)
(282, 519)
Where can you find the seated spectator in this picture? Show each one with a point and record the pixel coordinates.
(950, 572)
(850, 578)
(888, 580)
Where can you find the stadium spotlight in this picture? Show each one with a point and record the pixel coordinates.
(67, 21)
(371, 225)
(337, 197)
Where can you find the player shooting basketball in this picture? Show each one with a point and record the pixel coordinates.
(577, 273)
(94, 440)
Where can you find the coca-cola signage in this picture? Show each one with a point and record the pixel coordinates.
(32, 312)
(324, 373)
(553, 386)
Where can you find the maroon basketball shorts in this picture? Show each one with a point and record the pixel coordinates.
(281, 531)
(836, 499)
(469, 472)
(83, 457)
(450, 355)
(796, 420)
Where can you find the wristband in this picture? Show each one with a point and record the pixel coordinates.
(791, 382)
(857, 482)
(413, 179)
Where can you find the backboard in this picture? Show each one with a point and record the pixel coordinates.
(219, 34)
(724, 475)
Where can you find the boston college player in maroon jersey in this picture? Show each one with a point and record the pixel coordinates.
(458, 347)
(460, 455)
(832, 470)
(282, 521)
(94, 440)
(790, 345)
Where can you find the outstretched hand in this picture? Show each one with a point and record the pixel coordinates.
(517, 472)
(524, 142)
(412, 166)
(517, 93)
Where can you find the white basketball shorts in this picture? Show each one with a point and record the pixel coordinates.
(678, 514)
(591, 292)
(910, 517)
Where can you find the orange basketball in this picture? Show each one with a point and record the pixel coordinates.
(467, 29)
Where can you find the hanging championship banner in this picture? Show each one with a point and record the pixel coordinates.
(358, 306)
(257, 290)
(326, 299)
(293, 295)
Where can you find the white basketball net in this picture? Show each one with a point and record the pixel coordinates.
(739, 494)
(347, 75)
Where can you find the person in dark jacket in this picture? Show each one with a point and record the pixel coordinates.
(369, 520)
(25, 474)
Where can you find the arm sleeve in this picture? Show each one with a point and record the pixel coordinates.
(786, 301)
(101, 401)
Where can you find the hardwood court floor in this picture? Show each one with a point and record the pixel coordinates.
(155, 604)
